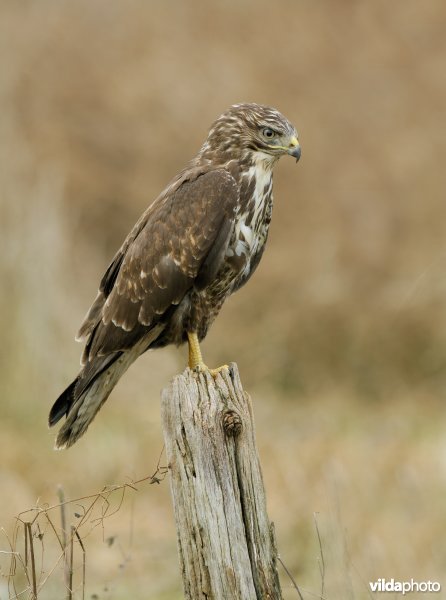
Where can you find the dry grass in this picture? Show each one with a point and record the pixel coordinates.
(48, 558)
(101, 103)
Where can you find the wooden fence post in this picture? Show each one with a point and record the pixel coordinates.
(225, 540)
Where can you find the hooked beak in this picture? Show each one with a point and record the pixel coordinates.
(294, 148)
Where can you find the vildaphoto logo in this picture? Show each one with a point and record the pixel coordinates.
(404, 587)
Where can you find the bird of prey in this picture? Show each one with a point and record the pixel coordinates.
(197, 243)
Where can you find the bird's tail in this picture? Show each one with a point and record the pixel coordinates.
(83, 398)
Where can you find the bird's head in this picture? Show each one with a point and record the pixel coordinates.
(252, 131)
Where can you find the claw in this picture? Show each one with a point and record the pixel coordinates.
(196, 360)
(202, 368)
(215, 372)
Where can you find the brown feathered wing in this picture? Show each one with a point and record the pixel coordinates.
(180, 241)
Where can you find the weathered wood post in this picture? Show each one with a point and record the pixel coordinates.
(225, 539)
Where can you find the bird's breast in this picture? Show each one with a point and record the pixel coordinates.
(253, 218)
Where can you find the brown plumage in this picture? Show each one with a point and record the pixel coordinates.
(198, 242)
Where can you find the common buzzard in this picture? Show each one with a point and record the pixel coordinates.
(196, 244)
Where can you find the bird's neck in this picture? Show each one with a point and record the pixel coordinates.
(256, 186)
(245, 157)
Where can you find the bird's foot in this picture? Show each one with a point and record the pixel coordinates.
(196, 363)
(202, 368)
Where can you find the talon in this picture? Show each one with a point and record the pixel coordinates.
(202, 368)
(215, 372)
(196, 363)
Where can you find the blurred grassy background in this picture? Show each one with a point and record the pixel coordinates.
(341, 335)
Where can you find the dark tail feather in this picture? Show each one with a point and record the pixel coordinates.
(62, 406)
(81, 401)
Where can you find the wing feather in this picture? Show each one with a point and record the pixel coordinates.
(178, 242)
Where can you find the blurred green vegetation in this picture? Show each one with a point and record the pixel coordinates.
(340, 336)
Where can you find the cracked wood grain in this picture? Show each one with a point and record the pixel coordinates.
(225, 539)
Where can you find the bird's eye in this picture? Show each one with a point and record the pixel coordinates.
(268, 133)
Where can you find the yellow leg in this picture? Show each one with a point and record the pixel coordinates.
(196, 359)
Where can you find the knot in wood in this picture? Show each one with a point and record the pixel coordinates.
(232, 423)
